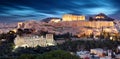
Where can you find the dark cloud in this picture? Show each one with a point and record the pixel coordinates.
(37, 9)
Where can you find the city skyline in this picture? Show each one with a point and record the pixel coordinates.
(14, 10)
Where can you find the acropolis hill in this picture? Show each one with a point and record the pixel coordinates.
(79, 21)
(75, 27)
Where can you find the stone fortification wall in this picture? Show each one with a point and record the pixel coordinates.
(97, 24)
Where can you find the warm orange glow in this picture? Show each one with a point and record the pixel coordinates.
(68, 17)
(98, 17)
(14, 30)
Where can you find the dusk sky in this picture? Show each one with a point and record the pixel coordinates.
(17, 10)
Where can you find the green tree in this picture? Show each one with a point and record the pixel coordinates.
(57, 54)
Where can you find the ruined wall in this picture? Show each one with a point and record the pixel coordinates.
(70, 17)
(33, 41)
(20, 25)
(97, 24)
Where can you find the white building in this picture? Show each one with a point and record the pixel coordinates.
(55, 20)
(97, 51)
(83, 54)
(34, 40)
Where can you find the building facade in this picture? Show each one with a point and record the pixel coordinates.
(55, 20)
(101, 17)
(70, 17)
(34, 40)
